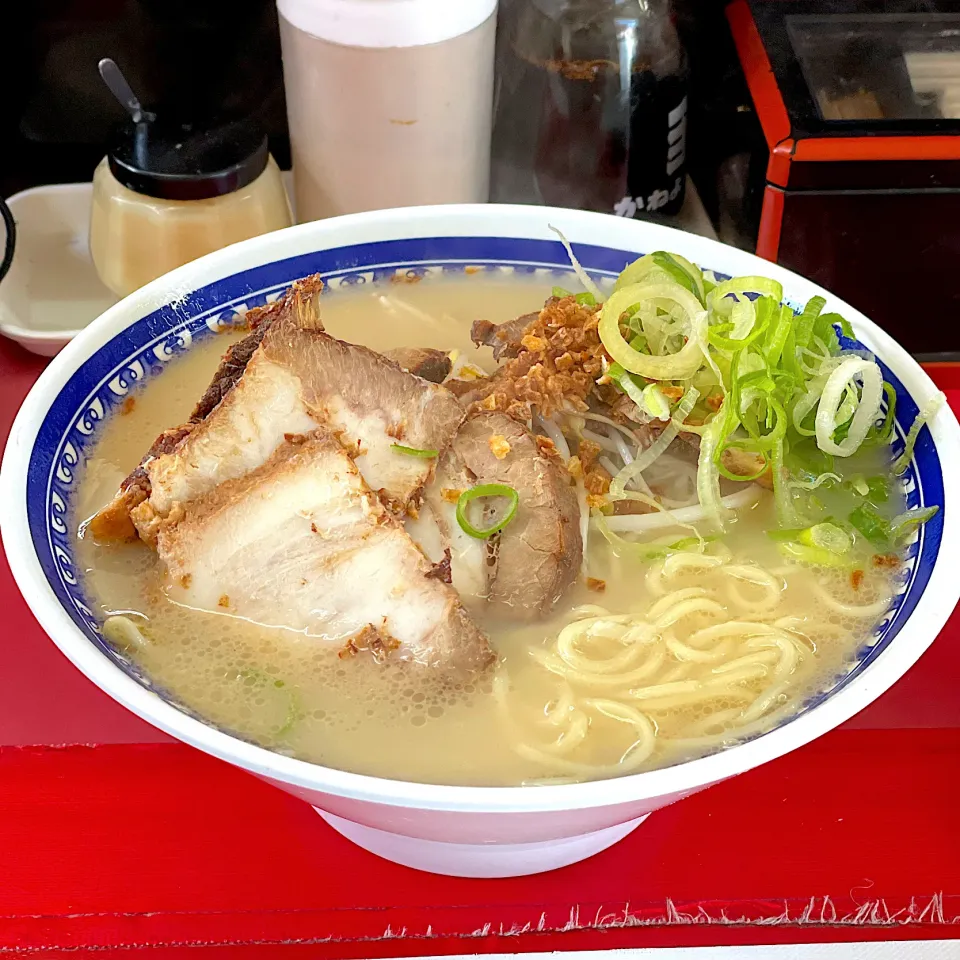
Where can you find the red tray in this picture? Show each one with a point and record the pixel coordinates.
(113, 836)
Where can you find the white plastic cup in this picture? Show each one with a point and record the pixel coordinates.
(389, 102)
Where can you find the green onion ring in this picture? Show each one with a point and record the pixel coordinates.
(415, 451)
(486, 490)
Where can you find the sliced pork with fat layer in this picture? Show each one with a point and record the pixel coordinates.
(303, 543)
(289, 377)
(373, 405)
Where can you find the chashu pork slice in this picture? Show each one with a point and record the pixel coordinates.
(263, 408)
(288, 378)
(530, 564)
(303, 543)
(427, 362)
(373, 405)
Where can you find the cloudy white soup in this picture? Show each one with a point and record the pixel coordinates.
(472, 530)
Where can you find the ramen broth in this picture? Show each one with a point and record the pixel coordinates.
(607, 708)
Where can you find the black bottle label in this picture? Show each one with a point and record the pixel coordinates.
(656, 156)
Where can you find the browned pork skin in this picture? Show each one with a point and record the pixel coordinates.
(287, 378)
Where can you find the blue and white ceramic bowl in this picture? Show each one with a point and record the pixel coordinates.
(459, 830)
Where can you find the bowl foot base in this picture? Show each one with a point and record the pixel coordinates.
(479, 859)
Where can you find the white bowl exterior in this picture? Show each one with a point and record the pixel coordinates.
(490, 815)
(456, 826)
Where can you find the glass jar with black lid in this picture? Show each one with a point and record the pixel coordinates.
(167, 193)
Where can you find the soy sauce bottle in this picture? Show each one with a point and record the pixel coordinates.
(590, 106)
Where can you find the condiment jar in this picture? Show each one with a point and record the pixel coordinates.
(388, 102)
(167, 193)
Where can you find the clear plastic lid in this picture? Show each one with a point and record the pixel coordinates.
(890, 66)
(386, 23)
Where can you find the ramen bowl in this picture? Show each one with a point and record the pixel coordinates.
(457, 830)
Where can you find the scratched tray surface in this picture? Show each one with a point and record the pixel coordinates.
(850, 838)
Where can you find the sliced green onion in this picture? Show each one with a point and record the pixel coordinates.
(813, 555)
(790, 393)
(777, 332)
(682, 271)
(486, 490)
(655, 403)
(833, 395)
(586, 299)
(878, 490)
(826, 536)
(708, 473)
(677, 366)
(741, 477)
(787, 513)
(825, 328)
(626, 382)
(866, 519)
(756, 328)
(803, 327)
(846, 410)
(884, 433)
(859, 485)
(744, 285)
(778, 429)
(560, 293)
(661, 266)
(903, 525)
(257, 678)
(414, 451)
(834, 319)
(926, 412)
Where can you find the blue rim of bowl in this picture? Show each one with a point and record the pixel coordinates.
(71, 425)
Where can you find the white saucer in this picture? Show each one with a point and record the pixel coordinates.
(52, 290)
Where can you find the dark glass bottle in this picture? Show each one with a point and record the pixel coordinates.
(591, 104)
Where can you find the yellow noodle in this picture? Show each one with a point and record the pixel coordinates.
(687, 608)
(683, 651)
(644, 745)
(662, 661)
(672, 599)
(553, 663)
(865, 611)
(772, 588)
(680, 563)
(732, 628)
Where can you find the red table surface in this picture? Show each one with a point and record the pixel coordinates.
(114, 836)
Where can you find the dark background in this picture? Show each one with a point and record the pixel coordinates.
(198, 59)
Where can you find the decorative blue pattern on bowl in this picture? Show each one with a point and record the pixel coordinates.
(71, 426)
